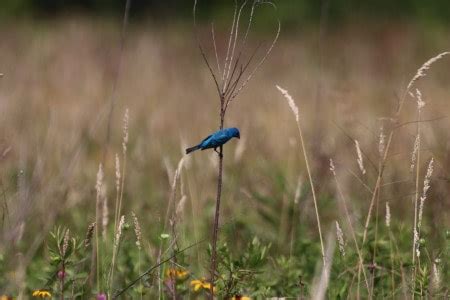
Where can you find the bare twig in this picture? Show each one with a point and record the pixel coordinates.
(230, 38)
(274, 41)
(236, 33)
(213, 35)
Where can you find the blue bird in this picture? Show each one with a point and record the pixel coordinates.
(216, 139)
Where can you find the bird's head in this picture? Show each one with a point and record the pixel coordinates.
(235, 132)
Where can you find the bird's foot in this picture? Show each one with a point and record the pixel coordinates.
(218, 153)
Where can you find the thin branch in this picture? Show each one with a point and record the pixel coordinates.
(230, 38)
(235, 67)
(210, 69)
(213, 75)
(215, 47)
(242, 47)
(395, 182)
(236, 33)
(265, 56)
(232, 88)
(419, 121)
(250, 21)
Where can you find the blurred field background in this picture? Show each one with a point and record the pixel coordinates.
(345, 63)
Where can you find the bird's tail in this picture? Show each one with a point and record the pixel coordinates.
(192, 149)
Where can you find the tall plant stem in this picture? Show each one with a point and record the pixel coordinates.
(376, 190)
(294, 109)
(217, 213)
(316, 208)
(139, 269)
(62, 278)
(97, 255)
(350, 225)
(416, 200)
(235, 76)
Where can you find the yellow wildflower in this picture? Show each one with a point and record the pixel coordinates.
(42, 294)
(201, 284)
(238, 297)
(176, 273)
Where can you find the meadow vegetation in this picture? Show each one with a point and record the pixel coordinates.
(132, 218)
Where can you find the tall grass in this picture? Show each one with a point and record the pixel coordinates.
(49, 163)
(294, 109)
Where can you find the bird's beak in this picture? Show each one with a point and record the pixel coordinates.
(239, 136)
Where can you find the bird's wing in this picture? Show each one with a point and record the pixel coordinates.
(221, 138)
(206, 138)
(214, 140)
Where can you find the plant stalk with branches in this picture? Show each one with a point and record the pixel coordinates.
(230, 77)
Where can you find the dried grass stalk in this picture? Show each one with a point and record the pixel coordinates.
(294, 109)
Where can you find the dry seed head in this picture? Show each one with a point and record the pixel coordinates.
(89, 234)
(105, 213)
(117, 172)
(421, 71)
(137, 230)
(340, 238)
(180, 205)
(177, 173)
(426, 184)
(290, 101)
(420, 102)
(176, 177)
(119, 231)
(65, 243)
(382, 142)
(416, 242)
(388, 215)
(99, 183)
(426, 187)
(414, 153)
(360, 158)
(332, 167)
(125, 131)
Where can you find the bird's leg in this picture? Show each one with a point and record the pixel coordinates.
(220, 154)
